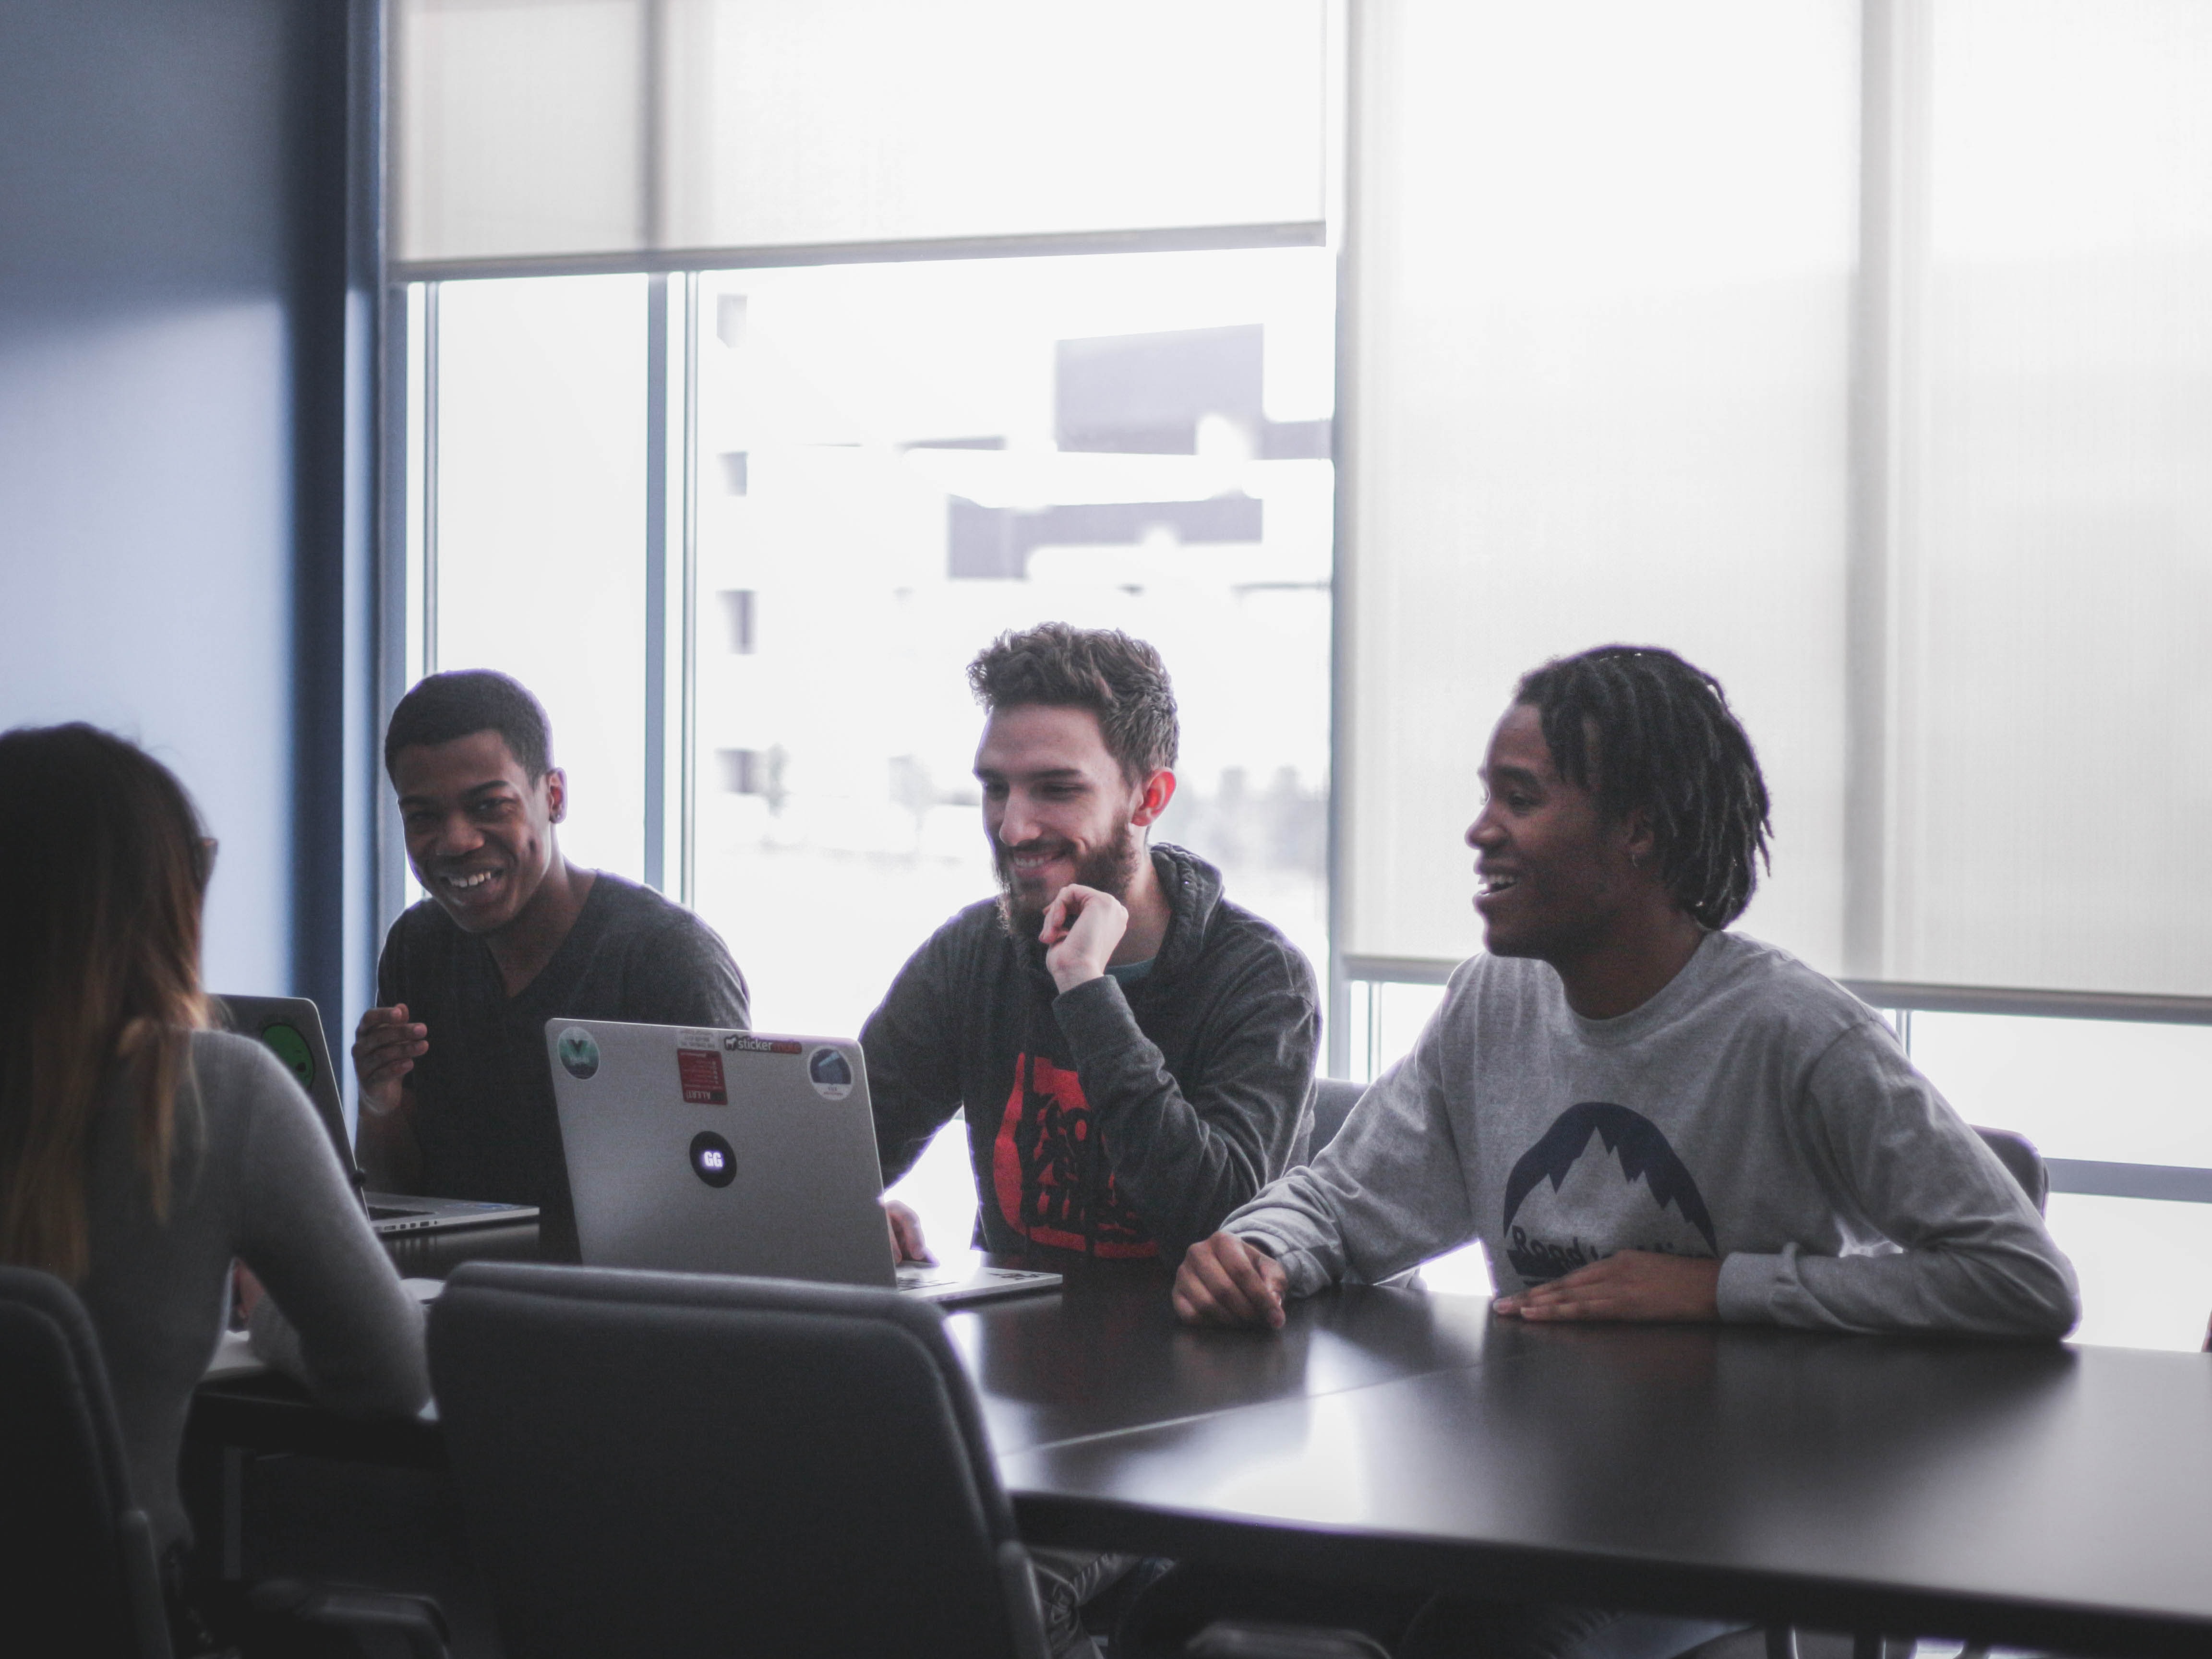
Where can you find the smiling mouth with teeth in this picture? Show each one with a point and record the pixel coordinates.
(1489, 884)
(474, 879)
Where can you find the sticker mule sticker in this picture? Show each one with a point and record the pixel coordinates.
(753, 1045)
(700, 1072)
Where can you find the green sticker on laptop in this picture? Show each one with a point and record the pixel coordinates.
(289, 1046)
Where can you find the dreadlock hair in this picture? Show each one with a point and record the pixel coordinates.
(1656, 734)
(1120, 680)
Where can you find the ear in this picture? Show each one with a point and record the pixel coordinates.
(1639, 842)
(1159, 790)
(556, 793)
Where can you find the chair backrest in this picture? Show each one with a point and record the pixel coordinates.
(2017, 1154)
(680, 1464)
(74, 1554)
(1333, 1101)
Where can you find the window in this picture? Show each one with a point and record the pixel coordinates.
(1862, 352)
(1864, 355)
(934, 453)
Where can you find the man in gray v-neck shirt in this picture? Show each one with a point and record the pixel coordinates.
(457, 1097)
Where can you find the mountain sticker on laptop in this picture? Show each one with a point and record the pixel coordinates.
(580, 1054)
(830, 1073)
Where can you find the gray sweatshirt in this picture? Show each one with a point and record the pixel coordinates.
(1752, 1111)
(254, 1178)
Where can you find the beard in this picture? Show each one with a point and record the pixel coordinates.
(1109, 867)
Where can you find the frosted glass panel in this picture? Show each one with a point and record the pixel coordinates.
(530, 127)
(2054, 715)
(540, 559)
(2077, 1088)
(1601, 344)
(519, 127)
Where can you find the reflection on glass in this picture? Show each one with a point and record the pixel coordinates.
(898, 462)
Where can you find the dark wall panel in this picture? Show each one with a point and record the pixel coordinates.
(173, 555)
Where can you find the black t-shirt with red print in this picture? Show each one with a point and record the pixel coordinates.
(1116, 1122)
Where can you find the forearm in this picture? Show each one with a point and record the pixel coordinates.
(391, 1157)
(1390, 1192)
(1973, 1256)
(1183, 1168)
(911, 1088)
(2010, 1288)
(336, 1315)
(1292, 1221)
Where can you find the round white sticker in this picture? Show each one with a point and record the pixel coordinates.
(580, 1055)
(830, 1073)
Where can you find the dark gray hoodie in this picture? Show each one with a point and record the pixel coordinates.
(1111, 1122)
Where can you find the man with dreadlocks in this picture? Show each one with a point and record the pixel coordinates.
(1642, 1115)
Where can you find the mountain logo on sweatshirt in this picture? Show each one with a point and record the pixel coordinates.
(1601, 1179)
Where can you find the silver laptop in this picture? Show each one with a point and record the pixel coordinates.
(292, 1028)
(714, 1151)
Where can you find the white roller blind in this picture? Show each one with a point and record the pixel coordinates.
(558, 127)
(1605, 258)
(519, 127)
(2051, 711)
(1602, 255)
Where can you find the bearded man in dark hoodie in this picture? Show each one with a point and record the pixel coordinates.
(1132, 1051)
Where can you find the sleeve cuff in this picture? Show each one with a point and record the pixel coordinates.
(1094, 1014)
(1749, 1284)
(1305, 1274)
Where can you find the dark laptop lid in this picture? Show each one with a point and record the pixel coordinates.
(291, 1028)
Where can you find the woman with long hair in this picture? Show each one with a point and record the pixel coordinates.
(140, 1152)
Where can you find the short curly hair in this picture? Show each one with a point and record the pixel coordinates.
(460, 704)
(1119, 679)
(1657, 733)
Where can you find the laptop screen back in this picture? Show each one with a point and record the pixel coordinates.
(291, 1028)
(697, 1150)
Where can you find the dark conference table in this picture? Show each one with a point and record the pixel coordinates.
(2024, 1493)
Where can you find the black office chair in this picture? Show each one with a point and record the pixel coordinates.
(678, 1464)
(1333, 1101)
(2024, 1164)
(76, 1554)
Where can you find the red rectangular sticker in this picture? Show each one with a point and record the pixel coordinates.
(700, 1071)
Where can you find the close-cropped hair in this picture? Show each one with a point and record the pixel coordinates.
(1646, 730)
(1119, 679)
(103, 865)
(443, 707)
